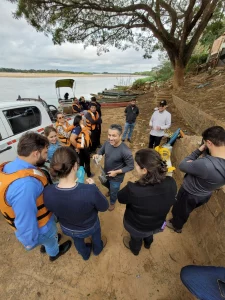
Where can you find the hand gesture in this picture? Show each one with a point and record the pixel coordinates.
(90, 181)
(95, 156)
(202, 147)
(157, 128)
(112, 173)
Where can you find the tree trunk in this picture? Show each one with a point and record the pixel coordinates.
(178, 77)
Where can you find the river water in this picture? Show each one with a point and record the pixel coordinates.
(44, 87)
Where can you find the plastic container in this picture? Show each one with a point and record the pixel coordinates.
(80, 174)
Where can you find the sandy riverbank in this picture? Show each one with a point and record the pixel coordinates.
(40, 75)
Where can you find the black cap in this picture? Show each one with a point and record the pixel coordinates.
(163, 103)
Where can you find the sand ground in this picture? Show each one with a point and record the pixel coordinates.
(116, 274)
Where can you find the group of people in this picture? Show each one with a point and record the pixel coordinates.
(31, 206)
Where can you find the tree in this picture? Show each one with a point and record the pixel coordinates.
(174, 25)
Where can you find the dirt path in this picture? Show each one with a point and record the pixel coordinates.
(116, 274)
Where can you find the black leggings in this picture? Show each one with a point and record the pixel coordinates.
(84, 157)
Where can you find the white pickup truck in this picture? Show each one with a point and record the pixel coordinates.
(18, 117)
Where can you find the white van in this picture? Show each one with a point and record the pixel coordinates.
(18, 117)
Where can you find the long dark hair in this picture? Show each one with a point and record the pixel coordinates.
(77, 119)
(153, 163)
(62, 162)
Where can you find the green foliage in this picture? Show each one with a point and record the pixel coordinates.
(141, 81)
(195, 61)
(215, 27)
(144, 73)
(159, 74)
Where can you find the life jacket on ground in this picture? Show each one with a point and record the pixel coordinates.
(67, 129)
(95, 118)
(83, 139)
(76, 108)
(43, 214)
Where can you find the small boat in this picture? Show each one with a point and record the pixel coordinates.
(65, 105)
(114, 104)
(114, 100)
(117, 93)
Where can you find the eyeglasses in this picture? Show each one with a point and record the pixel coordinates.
(61, 117)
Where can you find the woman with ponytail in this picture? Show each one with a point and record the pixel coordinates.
(76, 205)
(147, 200)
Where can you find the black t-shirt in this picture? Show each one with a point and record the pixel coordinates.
(147, 206)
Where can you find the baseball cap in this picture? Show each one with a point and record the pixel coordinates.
(163, 103)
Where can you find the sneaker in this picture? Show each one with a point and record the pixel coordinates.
(126, 242)
(170, 225)
(147, 246)
(63, 248)
(104, 240)
(42, 249)
(89, 245)
(129, 140)
(123, 140)
(111, 207)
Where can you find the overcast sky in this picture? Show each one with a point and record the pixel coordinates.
(24, 48)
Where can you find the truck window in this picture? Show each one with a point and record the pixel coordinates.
(23, 118)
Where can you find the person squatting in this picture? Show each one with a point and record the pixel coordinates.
(31, 205)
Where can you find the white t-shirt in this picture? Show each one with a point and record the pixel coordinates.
(161, 119)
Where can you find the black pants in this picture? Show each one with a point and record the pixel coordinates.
(99, 134)
(95, 139)
(84, 157)
(154, 141)
(184, 205)
(136, 243)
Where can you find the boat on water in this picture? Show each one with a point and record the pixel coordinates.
(114, 100)
(65, 104)
(117, 93)
(114, 104)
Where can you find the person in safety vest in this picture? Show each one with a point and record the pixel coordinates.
(21, 197)
(80, 139)
(93, 123)
(63, 129)
(98, 109)
(76, 107)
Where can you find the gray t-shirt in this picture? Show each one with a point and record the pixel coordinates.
(203, 175)
(117, 158)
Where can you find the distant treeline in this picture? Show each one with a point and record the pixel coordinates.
(11, 70)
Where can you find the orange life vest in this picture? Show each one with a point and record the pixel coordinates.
(43, 214)
(83, 139)
(68, 128)
(94, 117)
(76, 108)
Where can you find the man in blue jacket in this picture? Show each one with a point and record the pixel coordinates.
(21, 201)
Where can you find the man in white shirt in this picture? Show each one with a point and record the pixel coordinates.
(160, 120)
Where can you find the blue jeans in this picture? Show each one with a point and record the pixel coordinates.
(114, 187)
(202, 281)
(128, 129)
(50, 240)
(79, 236)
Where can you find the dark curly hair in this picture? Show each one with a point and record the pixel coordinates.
(153, 163)
(63, 161)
